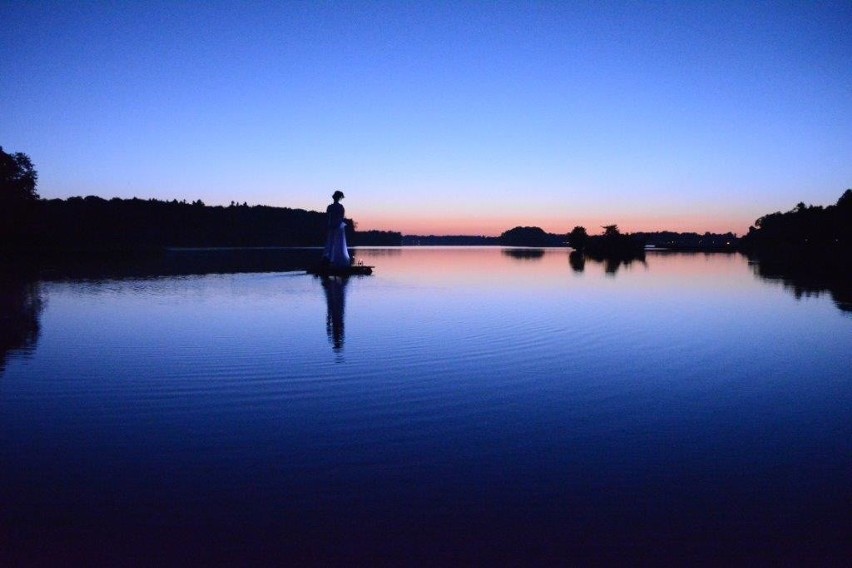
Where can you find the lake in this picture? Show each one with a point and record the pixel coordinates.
(460, 406)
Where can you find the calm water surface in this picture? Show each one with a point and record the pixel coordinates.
(470, 405)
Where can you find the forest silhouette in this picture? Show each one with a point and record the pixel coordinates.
(805, 230)
(93, 223)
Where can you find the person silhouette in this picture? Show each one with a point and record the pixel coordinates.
(335, 297)
(336, 252)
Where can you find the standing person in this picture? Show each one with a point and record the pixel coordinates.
(336, 252)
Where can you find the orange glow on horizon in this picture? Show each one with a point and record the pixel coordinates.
(494, 226)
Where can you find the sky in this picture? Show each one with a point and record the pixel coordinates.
(439, 117)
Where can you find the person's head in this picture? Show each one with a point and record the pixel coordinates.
(337, 195)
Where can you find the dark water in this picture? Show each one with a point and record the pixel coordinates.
(461, 406)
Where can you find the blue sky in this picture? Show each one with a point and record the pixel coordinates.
(439, 117)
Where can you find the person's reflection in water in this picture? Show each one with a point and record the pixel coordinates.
(20, 311)
(335, 297)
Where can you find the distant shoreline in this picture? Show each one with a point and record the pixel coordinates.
(96, 226)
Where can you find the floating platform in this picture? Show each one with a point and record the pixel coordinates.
(328, 270)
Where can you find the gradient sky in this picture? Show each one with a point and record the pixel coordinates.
(439, 117)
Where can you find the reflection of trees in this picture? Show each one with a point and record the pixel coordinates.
(524, 254)
(577, 261)
(612, 262)
(176, 262)
(335, 297)
(812, 277)
(20, 310)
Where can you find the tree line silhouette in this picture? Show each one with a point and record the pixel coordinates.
(18, 198)
(805, 229)
(93, 223)
(96, 224)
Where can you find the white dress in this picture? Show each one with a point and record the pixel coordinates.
(338, 253)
